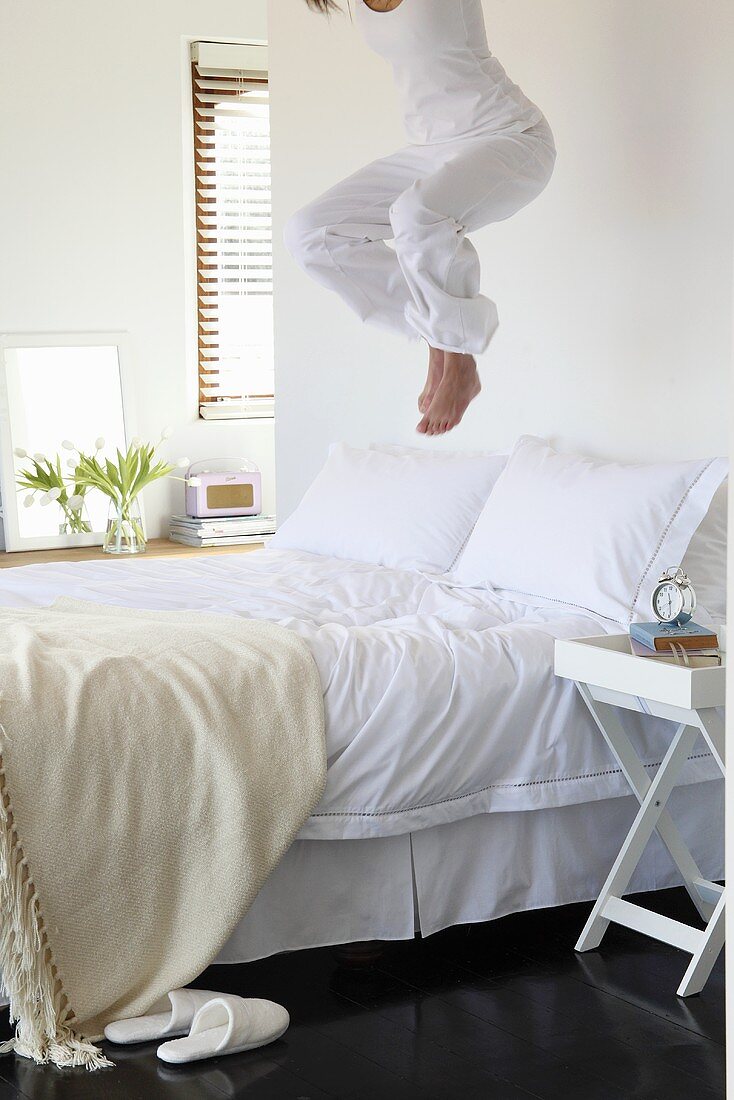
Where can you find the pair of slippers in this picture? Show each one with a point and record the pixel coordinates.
(213, 1024)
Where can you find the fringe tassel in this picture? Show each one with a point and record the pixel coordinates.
(38, 1004)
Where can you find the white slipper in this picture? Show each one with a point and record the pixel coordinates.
(228, 1025)
(170, 1016)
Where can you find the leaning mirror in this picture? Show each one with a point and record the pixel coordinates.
(59, 394)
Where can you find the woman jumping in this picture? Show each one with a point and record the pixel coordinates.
(478, 152)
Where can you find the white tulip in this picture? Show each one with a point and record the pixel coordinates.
(99, 442)
(54, 494)
(45, 499)
(76, 502)
(193, 481)
(28, 501)
(136, 441)
(166, 433)
(20, 453)
(67, 445)
(72, 463)
(182, 463)
(38, 457)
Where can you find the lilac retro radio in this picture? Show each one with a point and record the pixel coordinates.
(223, 487)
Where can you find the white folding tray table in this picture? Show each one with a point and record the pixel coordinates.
(609, 676)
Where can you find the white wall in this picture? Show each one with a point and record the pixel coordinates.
(614, 288)
(95, 218)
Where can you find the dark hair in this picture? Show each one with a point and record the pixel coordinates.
(325, 6)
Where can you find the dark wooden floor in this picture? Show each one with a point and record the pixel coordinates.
(501, 1011)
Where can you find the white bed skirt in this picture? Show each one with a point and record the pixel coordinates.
(343, 891)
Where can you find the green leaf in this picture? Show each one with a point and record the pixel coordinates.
(43, 476)
(122, 467)
(113, 473)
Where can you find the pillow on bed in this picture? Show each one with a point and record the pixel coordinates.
(390, 509)
(594, 535)
(705, 558)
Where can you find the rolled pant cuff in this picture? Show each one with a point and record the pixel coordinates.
(472, 345)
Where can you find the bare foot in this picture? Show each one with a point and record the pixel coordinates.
(435, 374)
(457, 389)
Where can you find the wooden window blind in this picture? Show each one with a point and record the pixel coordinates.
(234, 268)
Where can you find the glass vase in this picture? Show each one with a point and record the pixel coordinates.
(74, 521)
(124, 534)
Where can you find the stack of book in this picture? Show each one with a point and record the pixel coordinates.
(691, 645)
(226, 531)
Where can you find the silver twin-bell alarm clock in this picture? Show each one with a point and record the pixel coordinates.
(674, 599)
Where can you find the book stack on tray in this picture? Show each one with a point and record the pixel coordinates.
(692, 646)
(225, 531)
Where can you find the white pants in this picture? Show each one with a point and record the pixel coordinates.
(425, 198)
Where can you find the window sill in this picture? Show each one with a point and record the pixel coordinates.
(263, 409)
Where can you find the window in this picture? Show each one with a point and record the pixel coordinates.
(234, 267)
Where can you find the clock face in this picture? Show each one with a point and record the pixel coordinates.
(668, 602)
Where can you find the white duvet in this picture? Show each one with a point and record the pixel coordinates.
(440, 701)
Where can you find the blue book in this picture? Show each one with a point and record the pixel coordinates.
(660, 635)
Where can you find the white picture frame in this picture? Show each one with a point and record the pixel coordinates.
(15, 540)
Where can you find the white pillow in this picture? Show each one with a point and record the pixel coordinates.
(394, 510)
(705, 559)
(593, 535)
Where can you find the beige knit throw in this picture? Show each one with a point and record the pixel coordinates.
(156, 766)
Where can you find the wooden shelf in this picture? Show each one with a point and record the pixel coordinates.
(157, 548)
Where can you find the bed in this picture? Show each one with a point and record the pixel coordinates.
(465, 781)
